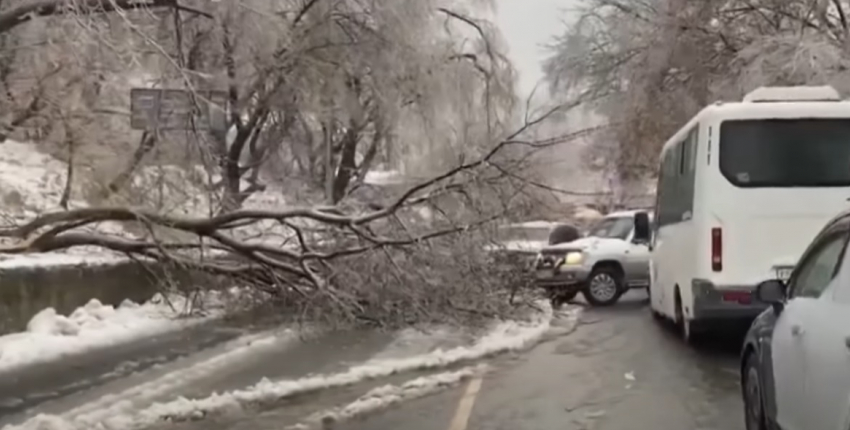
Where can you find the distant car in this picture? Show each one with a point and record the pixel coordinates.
(603, 265)
(795, 363)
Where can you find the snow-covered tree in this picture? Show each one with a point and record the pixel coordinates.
(649, 65)
(318, 94)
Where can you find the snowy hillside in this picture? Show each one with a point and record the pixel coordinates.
(32, 183)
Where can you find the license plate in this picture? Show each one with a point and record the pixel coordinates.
(545, 274)
(784, 273)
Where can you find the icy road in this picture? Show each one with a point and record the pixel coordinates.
(574, 369)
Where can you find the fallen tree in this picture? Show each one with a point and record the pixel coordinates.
(319, 93)
(350, 262)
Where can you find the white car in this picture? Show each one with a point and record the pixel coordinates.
(603, 265)
(795, 365)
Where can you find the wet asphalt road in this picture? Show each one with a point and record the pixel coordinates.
(617, 370)
(620, 370)
(26, 388)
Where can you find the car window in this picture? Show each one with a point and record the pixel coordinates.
(613, 228)
(818, 268)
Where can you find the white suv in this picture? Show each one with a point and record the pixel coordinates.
(603, 265)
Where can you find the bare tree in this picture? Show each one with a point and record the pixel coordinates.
(319, 93)
(651, 65)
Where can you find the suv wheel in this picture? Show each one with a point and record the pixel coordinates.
(604, 286)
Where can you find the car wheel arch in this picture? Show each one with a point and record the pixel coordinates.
(614, 264)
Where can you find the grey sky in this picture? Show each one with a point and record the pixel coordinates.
(527, 25)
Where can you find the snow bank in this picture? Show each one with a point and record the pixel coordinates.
(118, 409)
(11, 262)
(506, 336)
(51, 336)
(30, 182)
(387, 396)
(587, 214)
(383, 177)
(419, 341)
(518, 245)
(533, 225)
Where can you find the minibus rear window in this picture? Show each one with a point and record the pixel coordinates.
(786, 152)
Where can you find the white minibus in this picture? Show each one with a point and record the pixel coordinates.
(742, 189)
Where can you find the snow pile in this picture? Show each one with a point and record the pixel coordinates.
(585, 213)
(51, 336)
(518, 245)
(384, 397)
(419, 341)
(504, 337)
(507, 336)
(534, 225)
(74, 257)
(383, 177)
(118, 408)
(30, 182)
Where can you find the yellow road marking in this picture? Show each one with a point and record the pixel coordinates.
(464, 407)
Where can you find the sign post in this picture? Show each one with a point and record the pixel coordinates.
(167, 109)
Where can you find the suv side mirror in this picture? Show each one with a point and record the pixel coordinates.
(642, 230)
(772, 292)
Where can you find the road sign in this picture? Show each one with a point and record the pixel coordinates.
(163, 109)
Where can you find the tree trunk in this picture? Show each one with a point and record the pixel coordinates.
(347, 164)
(146, 144)
(69, 180)
(329, 161)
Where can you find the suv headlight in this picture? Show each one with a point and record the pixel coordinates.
(573, 259)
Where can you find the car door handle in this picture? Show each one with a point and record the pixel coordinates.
(797, 331)
(847, 342)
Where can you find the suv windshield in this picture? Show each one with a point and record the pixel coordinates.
(786, 153)
(613, 228)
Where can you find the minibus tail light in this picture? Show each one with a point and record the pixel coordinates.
(716, 249)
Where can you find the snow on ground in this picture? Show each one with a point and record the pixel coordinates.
(518, 245)
(587, 214)
(386, 396)
(76, 258)
(384, 177)
(534, 225)
(32, 183)
(420, 341)
(124, 411)
(50, 336)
